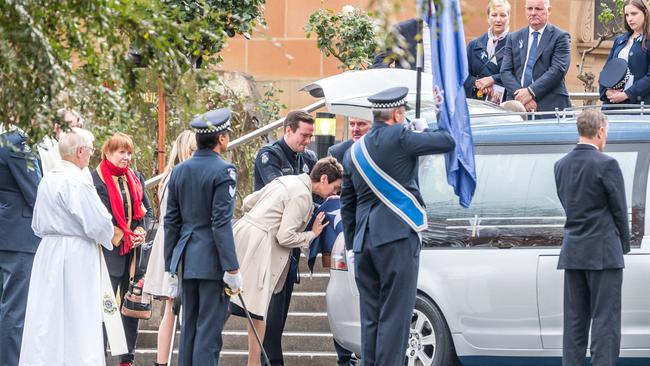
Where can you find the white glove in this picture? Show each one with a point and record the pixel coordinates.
(233, 281)
(419, 124)
(172, 290)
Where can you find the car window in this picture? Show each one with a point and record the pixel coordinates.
(515, 204)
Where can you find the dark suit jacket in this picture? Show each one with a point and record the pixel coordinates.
(115, 262)
(639, 65)
(480, 65)
(18, 187)
(395, 150)
(591, 188)
(338, 150)
(551, 66)
(200, 204)
(408, 29)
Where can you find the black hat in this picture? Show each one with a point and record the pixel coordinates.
(614, 74)
(215, 121)
(389, 98)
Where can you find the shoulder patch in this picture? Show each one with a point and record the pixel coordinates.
(232, 173)
(264, 158)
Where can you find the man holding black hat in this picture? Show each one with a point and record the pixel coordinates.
(382, 212)
(198, 230)
(286, 156)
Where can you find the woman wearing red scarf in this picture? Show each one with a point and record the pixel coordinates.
(122, 192)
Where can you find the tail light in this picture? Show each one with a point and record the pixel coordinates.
(339, 261)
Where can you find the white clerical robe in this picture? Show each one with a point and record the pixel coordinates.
(63, 322)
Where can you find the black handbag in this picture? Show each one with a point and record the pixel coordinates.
(133, 304)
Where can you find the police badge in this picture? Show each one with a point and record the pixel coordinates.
(109, 304)
(264, 158)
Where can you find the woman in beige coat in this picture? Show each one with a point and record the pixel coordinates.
(273, 224)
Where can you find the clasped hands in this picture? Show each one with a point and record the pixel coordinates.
(616, 95)
(524, 96)
(484, 85)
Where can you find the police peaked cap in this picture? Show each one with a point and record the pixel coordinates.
(214, 121)
(389, 98)
(614, 74)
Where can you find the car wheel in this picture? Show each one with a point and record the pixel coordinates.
(429, 342)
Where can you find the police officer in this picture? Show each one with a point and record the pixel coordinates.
(381, 219)
(357, 127)
(20, 174)
(198, 230)
(286, 156)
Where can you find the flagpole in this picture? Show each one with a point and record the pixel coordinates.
(419, 64)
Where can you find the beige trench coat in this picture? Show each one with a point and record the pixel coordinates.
(274, 222)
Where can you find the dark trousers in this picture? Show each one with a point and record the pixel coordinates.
(343, 356)
(15, 272)
(130, 324)
(276, 317)
(592, 297)
(387, 280)
(205, 306)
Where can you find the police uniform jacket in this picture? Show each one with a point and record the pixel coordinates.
(273, 224)
(19, 177)
(277, 159)
(115, 262)
(395, 150)
(639, 65)
(480, 65)
(200, 205)
(338, 151)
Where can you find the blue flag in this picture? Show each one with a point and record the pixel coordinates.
(325, 241)
(449, 70)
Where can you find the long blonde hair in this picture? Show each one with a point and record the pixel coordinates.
(183, 148)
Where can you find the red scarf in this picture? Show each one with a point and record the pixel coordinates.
(108, 171)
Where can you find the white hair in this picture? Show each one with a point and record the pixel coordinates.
(73, 139)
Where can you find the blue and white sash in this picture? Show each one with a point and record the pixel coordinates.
(390, 192)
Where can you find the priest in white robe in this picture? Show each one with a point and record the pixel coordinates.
(63, 322)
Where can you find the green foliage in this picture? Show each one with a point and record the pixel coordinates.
(612, 18)
(75, 54)
(349, 36)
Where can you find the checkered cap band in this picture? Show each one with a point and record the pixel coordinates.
(390, 105)
(213, 129)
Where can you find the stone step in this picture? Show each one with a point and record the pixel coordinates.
(305, 302)
(239, 357)
(296, 322)
(303, 341)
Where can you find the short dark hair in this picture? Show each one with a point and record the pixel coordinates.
(589, 121)
(328, 166)
(293, 119)
(208, 140)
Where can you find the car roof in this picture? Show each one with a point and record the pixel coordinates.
(622, 129)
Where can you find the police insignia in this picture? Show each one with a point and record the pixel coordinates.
(109, 304)
(232, 173)
(265, 158)
(232, 190)
(305, 168)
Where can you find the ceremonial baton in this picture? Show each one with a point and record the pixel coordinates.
(231, 293)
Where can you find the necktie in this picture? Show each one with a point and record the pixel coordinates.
(532, 56)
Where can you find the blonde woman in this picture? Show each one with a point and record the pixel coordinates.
(156, 282)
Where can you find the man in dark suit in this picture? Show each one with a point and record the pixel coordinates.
(536, 60)
(382, 212)
(596, 235)
(286, 156)
(20, 174)
(198, 230)
(357, 127)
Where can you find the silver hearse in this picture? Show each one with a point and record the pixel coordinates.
(489, 292)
